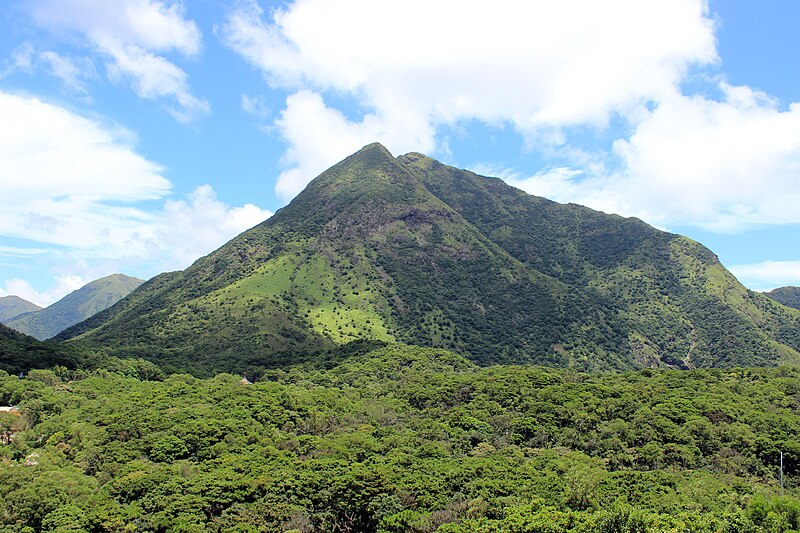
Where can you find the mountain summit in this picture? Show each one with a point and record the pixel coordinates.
(11, 306)
(410, 250)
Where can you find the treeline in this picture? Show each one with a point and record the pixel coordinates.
(402, 439)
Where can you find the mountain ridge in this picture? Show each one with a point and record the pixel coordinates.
(788, 296)
(410, 250)
(13, 306)
(75, 307)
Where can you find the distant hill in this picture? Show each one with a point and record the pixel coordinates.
(75, 307)
(11, 306)
(788, 296)
(408, 249)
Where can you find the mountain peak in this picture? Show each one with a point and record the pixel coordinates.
(74, 307)
(11, 306)
(370, 183)
(116, 278)
(376, 146)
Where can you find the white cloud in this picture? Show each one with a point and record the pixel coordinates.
(133, 35)
(21, 60)
(63, 286)
(768, 275)
(153, 25)
(190, 229)
(718, 164)
(49, 153)
(73, 182)
(721, 164)
(70, 71)
(557, 182)
(154, 77)
(539, 66)
(16, 251)
(73, 73)
(256, 106)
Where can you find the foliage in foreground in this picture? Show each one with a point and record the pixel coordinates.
(403, 439)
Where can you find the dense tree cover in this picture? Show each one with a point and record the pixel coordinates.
(402, 439)
(636, 293)
(19, 353)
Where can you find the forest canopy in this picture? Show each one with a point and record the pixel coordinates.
(402, 439)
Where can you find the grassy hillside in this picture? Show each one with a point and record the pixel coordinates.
(11, 306)
(75, 307)
(407, 249)
(405, 439)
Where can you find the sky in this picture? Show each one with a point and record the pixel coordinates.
(139, 135)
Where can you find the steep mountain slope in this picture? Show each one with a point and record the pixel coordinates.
(668, 298)
(75, 307)
(788, 296)
(407, 249)
(11, 306)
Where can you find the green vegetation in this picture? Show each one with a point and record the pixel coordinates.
(637, 295)
(20, 354)
(407, 249)
(403, 439)
(75, 307)
(788, 296)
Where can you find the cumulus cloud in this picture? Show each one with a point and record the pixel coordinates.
(768, 274)
(63, 285)
(190, 228)
(47, 152)
(153, 77)
(556, 182)
(133, 35)
(721, 164)
(539, 66)
(718, 164)
(76, 184)
(151, 24)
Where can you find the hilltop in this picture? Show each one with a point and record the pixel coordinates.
(11, 306)
(74, 307)
(788, 296)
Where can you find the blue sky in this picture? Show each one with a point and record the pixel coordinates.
(139, 135)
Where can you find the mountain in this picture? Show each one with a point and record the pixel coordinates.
(788, 296)
(410, 250)
(11, 306)
(75, 307)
